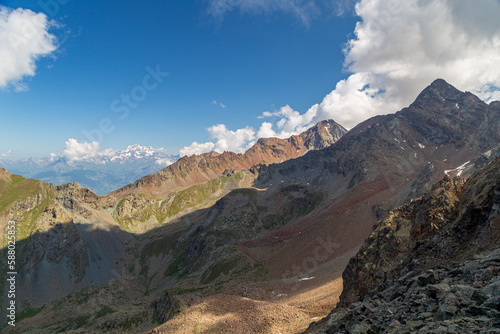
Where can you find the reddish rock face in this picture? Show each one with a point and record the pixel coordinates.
(196, 169)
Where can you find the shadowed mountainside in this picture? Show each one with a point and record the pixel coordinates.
(434, 263)
(215, 222)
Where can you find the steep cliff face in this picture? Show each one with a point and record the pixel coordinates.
(431, 260)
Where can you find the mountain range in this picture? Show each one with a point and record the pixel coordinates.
(263, 241)
(102, 172)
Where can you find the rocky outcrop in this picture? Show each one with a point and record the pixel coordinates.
(167, 307)
(456, 298)
(65, 238)
(432, 265)
(394, 238)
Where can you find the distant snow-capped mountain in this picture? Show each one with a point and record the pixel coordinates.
(101, 171)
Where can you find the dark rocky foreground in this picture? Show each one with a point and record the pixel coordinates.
(432, 266)
(459, 298)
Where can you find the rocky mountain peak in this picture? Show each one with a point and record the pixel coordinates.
(323, 134)
(196, 169)
(438, 90)
(442, 94)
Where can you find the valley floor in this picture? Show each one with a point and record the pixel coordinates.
(287, 305)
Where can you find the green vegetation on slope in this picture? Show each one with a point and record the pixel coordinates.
(18, 188)
(146, 208)
(198, 194)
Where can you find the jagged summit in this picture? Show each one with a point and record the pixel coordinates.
(441, 92)
(440, 87)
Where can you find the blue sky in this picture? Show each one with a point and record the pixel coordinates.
(237, 69)
(249, 63)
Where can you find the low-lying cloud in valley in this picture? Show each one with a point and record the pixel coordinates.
(399, 48)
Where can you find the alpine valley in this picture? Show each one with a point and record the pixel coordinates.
(391, 227)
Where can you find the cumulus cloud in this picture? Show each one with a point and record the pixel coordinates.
(227, 140)
(75, 151)
(399, 47)
(24, 38)
(290, 122)
(164, 162)
(196, 148)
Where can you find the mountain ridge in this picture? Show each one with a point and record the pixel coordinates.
(272, 230)
(101, 171)
(196, 169)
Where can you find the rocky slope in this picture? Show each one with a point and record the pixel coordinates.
(432, 265)
(197, 169)
(217, 223)
(64, 237)
(199, 181)
(71, 238)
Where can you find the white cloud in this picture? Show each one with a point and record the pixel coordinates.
(24, 38)
(164, 162)
(399, 48)
(290, 122)
(197, 149)
(266, 131)
(6, 154)
(76, 151)
(224, 140)
(227, 140)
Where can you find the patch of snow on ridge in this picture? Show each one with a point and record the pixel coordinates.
(305, 279)
(460, 169)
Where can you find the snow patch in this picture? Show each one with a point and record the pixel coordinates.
(460, 169)
(305, 279)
